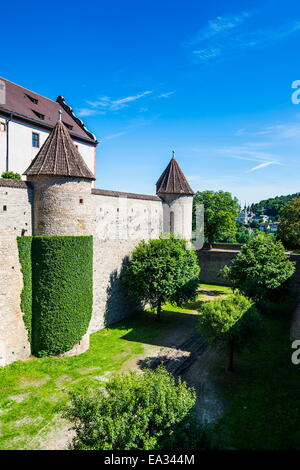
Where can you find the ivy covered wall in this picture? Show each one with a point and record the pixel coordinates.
(57, 297)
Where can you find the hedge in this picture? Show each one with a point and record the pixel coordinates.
(24, 246)
(62, 290)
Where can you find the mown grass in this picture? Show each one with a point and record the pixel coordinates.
(32, 393)
(263, 395)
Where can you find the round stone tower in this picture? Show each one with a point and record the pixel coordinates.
(62, 202)
(61, 182)
(177, 196)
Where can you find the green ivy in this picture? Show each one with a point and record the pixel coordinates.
(24, 246)
(58, 290)
(10, 175)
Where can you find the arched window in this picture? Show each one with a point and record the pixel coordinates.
(171, 222)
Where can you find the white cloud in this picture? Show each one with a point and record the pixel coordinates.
(262, 165)
(86, 112)
(105, 104)
(224, 36)
(285, 131)
(208, 53)
(121, 103)
(166, 95)
(218, 27)
(114, 136)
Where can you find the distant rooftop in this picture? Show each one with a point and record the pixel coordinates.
(28, 106)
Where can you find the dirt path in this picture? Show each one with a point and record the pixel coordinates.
(184, 354)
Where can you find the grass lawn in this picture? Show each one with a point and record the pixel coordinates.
(264, 393)
(33, 392)
(262, 396)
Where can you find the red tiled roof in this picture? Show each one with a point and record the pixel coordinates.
(59, 157)
(107, 192)
(42, 112)
(10, 183)
(173, 181)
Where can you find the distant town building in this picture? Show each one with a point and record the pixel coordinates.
(272, 228)
(245, 216)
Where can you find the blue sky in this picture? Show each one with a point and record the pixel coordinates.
(210, 80)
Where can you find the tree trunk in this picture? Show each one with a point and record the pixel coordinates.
(158, 311)
(230, 358)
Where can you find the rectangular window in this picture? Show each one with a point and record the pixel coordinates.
(2, 127)
(35, 139)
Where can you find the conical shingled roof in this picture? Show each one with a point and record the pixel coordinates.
(59, 157)
(173, 181)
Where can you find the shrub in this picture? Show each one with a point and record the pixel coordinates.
(134, 411)
(260, 268)
(162, 271)
(62, 278)
(11, 175)
(232, 320)
(24, 246)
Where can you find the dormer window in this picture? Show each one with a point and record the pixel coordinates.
(68, 126)
(39, 115)
(32, 99)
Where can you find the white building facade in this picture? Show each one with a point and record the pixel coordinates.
(26, 119)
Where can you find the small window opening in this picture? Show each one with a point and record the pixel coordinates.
(5, 208)
(80, 200)
(172, 222)
(32, 99)
(35, 140)
(39, 115)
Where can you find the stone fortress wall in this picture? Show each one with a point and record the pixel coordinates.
(15, 220)
(117, 221)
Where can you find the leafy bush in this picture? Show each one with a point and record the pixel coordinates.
(134, 411)
(232, 320)
(11, 175)
(62, 278)
(24, 246)
(260, 268)
(289, 227)
(162, 271)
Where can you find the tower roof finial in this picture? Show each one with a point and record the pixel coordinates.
(59, 114)
(173, 153)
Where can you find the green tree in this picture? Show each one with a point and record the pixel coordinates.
(289, 227)
(11, 175)
(220, 212)
(260, 268)
(272, 206)
(162, 271)
(233, 321)
(133, 411)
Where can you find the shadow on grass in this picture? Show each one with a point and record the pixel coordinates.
(145, 328)
(211, 293)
